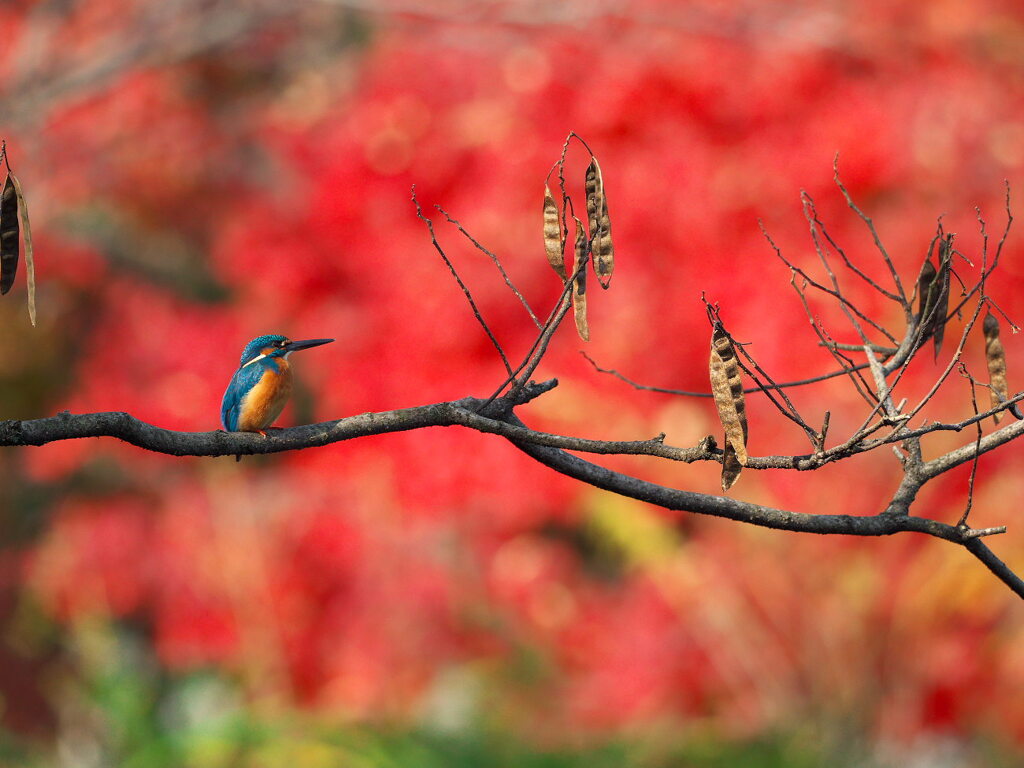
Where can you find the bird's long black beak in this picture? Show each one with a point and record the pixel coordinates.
(295, 346)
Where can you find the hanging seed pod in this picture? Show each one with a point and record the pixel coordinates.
(926, 295)
(731, 467)
(727, 388)
(579, 286)
(10, 240)
(995, 356)
(942, 296)
(600, 225)
(594, 186)
(554, 246)
(30, 264)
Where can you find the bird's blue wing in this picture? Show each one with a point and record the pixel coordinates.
(231, 406)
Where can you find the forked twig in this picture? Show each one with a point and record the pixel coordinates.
(458, 279)
(902, 295)
(850, 309)
(497, 263)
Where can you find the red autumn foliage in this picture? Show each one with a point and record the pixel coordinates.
(351, 577)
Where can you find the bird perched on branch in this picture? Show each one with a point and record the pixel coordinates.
(260, 387)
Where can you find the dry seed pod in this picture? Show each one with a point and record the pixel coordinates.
(9, 235)
(925, 294)
(942, 297)
(594, 186)
(731, 467)
(995, 355)
(604, 251)
(579, 285)
(727, 388)
(579, 306)
(600, 225)
(30, 264)
(554, 246)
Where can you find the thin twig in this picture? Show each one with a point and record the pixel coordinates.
(907, 306)
(977, 446)
(847, 368)
(846, 365)
(687, 393)
(497, 263)
(885, 352)
(901, 300)
(851, 310)
(979, 289)
(462, 285)
(1014, 328)
(540, 344)
(995, 259)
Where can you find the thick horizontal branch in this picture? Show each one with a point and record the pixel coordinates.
(769, 517)
(123, 426)
(966, 453)
(465, 412)
(734, 509)
(475, 413)
(497, 417)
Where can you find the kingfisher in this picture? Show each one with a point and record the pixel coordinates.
(260, 387)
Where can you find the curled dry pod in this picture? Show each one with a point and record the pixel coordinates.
(731, 467)
(554, 246)
(579, 285)
(941, 283)
(10, 241)
(600, 225)
(925, 295)
(995, 355)
(727, 388)
(30, 264)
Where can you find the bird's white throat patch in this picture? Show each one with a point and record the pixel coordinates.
(260, 357)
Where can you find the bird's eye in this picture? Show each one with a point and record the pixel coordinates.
(281, 343)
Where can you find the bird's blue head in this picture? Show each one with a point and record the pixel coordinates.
(274, 345)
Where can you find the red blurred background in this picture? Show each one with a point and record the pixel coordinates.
(200, 173)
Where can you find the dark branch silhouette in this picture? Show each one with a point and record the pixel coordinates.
(887, 421)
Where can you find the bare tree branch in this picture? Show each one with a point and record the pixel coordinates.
(885, 425)
(496, 261)
(902, 295)
(462, 285)
(500, 419)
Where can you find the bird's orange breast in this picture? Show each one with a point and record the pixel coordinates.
(264, 402)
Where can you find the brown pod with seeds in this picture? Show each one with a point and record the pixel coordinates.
(10, 241)
(594, 186)
(727, 388)
(579, 285)
(995, 356)
(600, 225)
(554, 246)
(603, 250)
